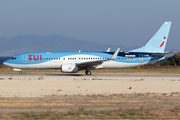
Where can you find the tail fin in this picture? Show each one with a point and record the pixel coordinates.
(158, 42)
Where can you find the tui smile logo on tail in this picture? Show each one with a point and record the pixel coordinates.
(162, 42)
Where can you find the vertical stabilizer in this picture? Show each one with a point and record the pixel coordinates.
(158, 42)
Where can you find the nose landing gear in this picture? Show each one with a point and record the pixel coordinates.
(20, 72)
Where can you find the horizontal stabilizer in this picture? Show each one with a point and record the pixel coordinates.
(162, 54)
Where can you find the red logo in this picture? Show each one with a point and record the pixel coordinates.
(164, 37)
(162, 44)
(36, 59)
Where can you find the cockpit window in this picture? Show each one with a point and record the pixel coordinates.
(14, 58)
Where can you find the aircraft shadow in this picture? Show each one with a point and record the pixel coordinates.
(65, 74)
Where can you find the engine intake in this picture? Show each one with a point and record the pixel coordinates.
(69, 68)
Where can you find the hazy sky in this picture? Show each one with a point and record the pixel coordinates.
(120, 22)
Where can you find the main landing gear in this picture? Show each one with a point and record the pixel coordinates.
(88, 72)
(20, 73)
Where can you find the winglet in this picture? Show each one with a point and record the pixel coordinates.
(115, 54)
(108, 50)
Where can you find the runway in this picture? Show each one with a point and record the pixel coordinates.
(103, 76)
(40, 85)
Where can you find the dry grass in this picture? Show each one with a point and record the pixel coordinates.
(81, 113)
(33, 103)
(138, 109)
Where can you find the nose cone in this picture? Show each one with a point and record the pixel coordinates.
(6, 63)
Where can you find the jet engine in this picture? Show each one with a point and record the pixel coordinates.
(69, 68)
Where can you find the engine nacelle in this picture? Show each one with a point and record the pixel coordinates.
(69, 68)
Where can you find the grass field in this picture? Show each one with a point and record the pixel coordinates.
(133, 113)
(151, 107)
(142, 69)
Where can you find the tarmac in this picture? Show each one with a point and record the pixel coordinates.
(104, 76)
(40, 85)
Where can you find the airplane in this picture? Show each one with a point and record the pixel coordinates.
(72, 62)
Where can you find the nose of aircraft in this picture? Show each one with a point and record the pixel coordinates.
(6, 63)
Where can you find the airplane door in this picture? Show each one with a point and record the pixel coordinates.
(24, 58)
(140, 58)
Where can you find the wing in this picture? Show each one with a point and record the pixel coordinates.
(93, 64)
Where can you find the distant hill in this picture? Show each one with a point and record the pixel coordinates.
(51, 43)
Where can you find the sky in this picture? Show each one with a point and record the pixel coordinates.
(117, 22)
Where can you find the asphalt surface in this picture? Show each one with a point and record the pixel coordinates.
(104, 76)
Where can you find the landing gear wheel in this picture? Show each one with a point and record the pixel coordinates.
(20, 73)
(88, 72)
